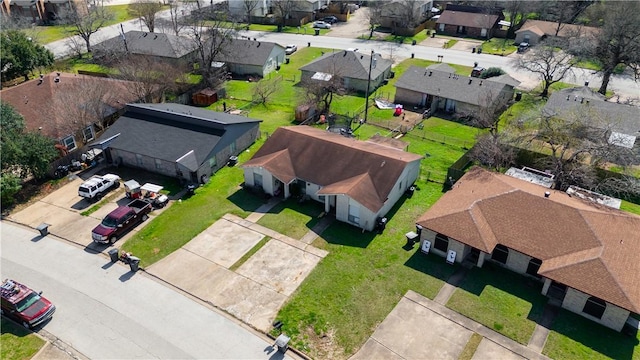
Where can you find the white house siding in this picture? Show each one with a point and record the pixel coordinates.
(243, 69)
(614, 317)
(342, 208)
(267, 178)
(237, 8)
(405, 180)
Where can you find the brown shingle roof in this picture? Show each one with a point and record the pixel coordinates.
(364, 171)
(592, 248)
(40, 104)
(549, 28)
(459, 18)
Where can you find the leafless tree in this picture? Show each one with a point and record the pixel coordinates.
(322, 92)
(549, 63)
(86, 18)
(284, 9)
(618, 41)
(150, 78)
(177, 18)
(265, 88)
(249, 6)
(625, 187)
(146, 11)
(518, 11)
(408, 14)
(374, 16)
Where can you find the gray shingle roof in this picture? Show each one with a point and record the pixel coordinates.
(624, 118)
(348, 63)
(460, 18)
(443, 82)
(247, 52)
(153, 44)
(169, 131)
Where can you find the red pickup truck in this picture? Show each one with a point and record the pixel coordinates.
(24, 305)
(121, 220)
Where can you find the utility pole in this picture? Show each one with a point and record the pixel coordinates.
(366, 104)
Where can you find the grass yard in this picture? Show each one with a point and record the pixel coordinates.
(630, 207)
(497, 46)
(17, 342)
(292, 218)
(355, 287)
(47, 34)
(501, 300)
(575, 337)
(420, 36)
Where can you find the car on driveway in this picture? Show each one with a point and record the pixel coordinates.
(330, 19)
(321, 25)
(24, 305)
(290, 49)
(523, 46)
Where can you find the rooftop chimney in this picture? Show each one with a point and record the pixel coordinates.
(586, 83)
(581, 100)
(547, 194)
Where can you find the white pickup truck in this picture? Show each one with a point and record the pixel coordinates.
(97, 186)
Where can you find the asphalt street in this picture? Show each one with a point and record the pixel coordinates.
(105, 311)
(623, 85)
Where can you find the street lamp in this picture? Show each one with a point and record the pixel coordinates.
(372, 65)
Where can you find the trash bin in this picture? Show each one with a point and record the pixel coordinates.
(286, 60)
(113, 255)
(410, 191)
(433, 34)
(43, 229)
(381, 223)
(134, 263)
(317, 31)
(479, 50)
(473, 50)
(413, 42)
(518, 96)
(282, 342)
(233, 160)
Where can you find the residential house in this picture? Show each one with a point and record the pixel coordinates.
(175, 140)
(534, 31)
(158, 46)
(404, 14)
(69, 108)
(36, 11)
(438, 87)
(358, 181)
(252, 57)
(352, 67)
(620, 120)
(459, 20)
(586, 255)
(259, 8)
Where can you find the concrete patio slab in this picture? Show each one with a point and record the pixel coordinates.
(224, 242)
(490, 350)
(279, 266)
(415, 332)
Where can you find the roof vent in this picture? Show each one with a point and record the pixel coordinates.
(547, 194)
(581, 100)
(361, 57)
(258, 45)
(430, 72)
(383, 162)
(568, 96)
(155, 37)
(56, 79)
(345, 53)
(586, 83)
(470, 81)
(480, 82)
(144, 35)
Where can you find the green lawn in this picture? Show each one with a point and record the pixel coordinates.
(497, 46)
(47, 34)
(575, 337)
(365, 274)
(292, 218)
(17, 342)
(630, 207)
(501, 300)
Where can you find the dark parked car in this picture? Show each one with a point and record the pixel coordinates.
(24, 305)
(121, 220)
(330, 19)
(524, 46)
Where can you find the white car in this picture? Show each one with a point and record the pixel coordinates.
(321, 25)
(290, 49)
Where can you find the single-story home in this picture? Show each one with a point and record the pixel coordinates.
(352, 66)
(238, 9)
(180, 141)
(534, 31)
(69, 108)
(438, 87)
(160, 46)
(358, 181)
(252, 57)
(586, 255)
(37, 11)
(469, 21)
(404, 14)
(584, 103)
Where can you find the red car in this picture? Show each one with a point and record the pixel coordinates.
(24, 305)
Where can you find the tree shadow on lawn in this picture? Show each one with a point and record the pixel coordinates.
(431, 264)
(594, 336)
(517, 285)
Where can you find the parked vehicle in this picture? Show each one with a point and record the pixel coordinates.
(477, 71)
(321, 25)
(290, 49)
(121, 220)
(330, 19)
(24, 305)
(523, 46)
(148, 192)
(97, 186)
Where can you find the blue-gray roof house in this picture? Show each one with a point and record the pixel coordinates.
(180, 141)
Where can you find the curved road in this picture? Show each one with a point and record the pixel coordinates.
(106, 312)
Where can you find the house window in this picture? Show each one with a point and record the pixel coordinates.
(483, 32)
(88, 133)
(442, 243)
(500, 254)
(321, 198)
(232, 148)
(69, 142)
(139, 160)
(594, 307)
(534, 266)
(441, 27)
(213, 162)
(158, 164)
(354, 214)
(257, 179)
(527, 38)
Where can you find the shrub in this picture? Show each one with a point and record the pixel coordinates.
(492, 72)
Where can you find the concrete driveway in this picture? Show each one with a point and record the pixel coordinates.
(255, 291)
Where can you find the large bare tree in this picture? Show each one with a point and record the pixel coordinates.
(373, 16)
(284, 9)
(151, 79)
(548, 62)
(86, 18)
(249, 6)
(146, 10)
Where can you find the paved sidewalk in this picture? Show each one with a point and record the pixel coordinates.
(450, 286)
(541, 332)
